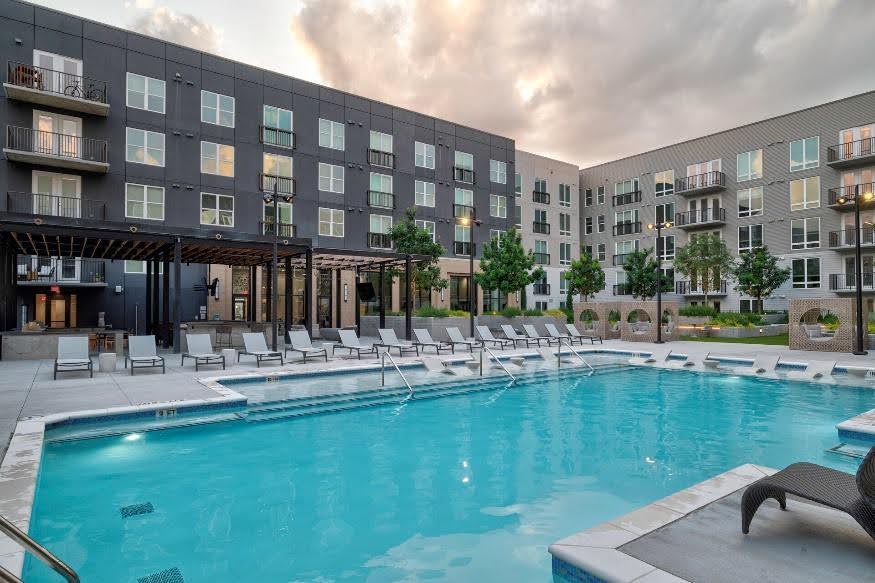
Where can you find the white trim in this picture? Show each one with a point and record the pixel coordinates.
(217, 209)
(146, 134)
(218, 109)
(147, 82)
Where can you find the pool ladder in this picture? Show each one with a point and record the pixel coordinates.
(485, 348)
(38, 551)
(383, 357)
(565, 342)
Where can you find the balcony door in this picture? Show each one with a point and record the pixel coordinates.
(58, 135)
(851, 272)
(57, 195)
(285, 219)
(856, 141)
(60, 75)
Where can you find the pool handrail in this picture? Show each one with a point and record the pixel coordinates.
(38, 551)
(383, 356)
(577, 354)
(498, 360)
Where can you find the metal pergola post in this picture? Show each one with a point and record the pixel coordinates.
(177, 294)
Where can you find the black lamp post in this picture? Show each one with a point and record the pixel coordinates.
(857, 199)
(273, 198)
(472, 295)
(659, 227)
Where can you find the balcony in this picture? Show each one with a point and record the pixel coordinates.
(700, 183)
(32, 146)
(622, 289)
(851, 154)
(464, 211)
(700, 218)
(283, 184)
(847, 282)
(44, 271)
(694, 288)
(621, 258)
(379, 241)
(49, 205)
(542, 258)
(540, 197)
(277, 137)
(286, 230)
(379, 199)
(56, 89)
(541, 289)
(381, 158)
(463, 175)
(627, 228)
(541, 228)
(848, 192)
(627, 198)
(847, 238)
(462, 248)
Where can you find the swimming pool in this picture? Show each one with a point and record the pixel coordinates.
(463, 488)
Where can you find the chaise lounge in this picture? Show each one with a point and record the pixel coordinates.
(142, 353)
(73, 355)
(201, 350)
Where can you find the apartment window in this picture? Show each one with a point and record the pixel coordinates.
(624, 217)
(664, 182)
(705, 167)
(750, 237)
(746, 306)
(565, 195)
(462, 234)
(600, 195)
(517, 184)
(540, 216)
(626, 186)
(381, 224)
(145, 93)
(381, 142)
(587, 226)
(602, 252)
(540, 185)
(278, 118)
(497, 206)
(217, 209)
(381, 183)
(805, 154)
(331, 178)
(496, 234)
(423, 155)
(665, 212)
(498, 171)
(565, 224)
(428, 226)
(665, 247)
(275, 165)
(601, 223)
(424, 193)
(750, 202)
(331, 134)
(464, 197)
(564, 253)
(749, 165)
(805, 233)
(137, 267)
(587, 250)
(217, 109)
(625, 247)
(541, 247)
(331, 222)
(144, 202)
(217, 159)
(806, 272)
(563, 286)
(145, 147)
(587, 197)
(464, 160)
(805, 193)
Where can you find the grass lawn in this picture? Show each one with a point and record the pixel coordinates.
(779, 340)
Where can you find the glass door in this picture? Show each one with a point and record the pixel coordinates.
(60, 75)
(57, 194)
(58, 135)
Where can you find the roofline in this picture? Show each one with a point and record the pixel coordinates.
(526, 152)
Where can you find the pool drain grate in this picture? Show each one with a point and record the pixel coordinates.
(136, 509)
(169, 576)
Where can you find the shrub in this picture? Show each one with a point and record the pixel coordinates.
(511, 312)
(698, 311)
(432, 312)
(613, 316)
(533, 312)
(735, 319)
(560, 313)
(459, 313)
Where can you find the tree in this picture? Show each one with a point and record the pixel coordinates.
(640, 270)
(584, 277)
(410, 238)
(705, 260)
(758, 275)
(505, 266)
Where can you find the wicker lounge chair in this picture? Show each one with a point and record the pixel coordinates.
(832, 488)
(73, 355)
(255, 345)
(299, 341)
(201, 350)
(485, 335)
(424, 340)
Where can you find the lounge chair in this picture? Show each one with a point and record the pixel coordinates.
(485, 335)
(659, 355)
(511, 334)
(455, 336)
(854, 495)
(435, 364)
(558, 336)
(255, 345)
(762, 364)
(350, 342)
(143, 354)
(532, 333)
(424, 340)
(587, 335)
(390, 340)
(814, 371)
(73, 355)
(299, 341)
(201, 350)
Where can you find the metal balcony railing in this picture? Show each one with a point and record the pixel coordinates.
(57, 82)
(381, 158)
(36, 270)
(55, 144)
(627, 198)
(379, 240)
(847, 282)
(622, 289)
(541, 228)
(708, 215)
(627, 228)
(277, 137)
(541, 289)
(706, 181)
(462, 248)
(542, 258)
(540, 197)
(849, 192)
(283, 184)
(285, 229)
(50, 205)
(379, 199)
(850, 150)
(694, 288)
(848, 237)
(620, 259)
(463, 175)
(464, 211)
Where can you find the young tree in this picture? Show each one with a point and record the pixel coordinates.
(409, 238)
(704, 259)
(640, 270)
(758, 274)
(585, 277)
(506, 266)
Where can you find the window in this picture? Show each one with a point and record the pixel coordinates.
(601, 223)
(497, 206)
(625, 247)
(665, 247)
(587, 226)
(750, 237)
(144, 147)
(498, 171)
(563, 283)
(565, 224)
(805, 233)
(750, 305)
(145, 93)
(600, 195)
(626, 186)
(540, 246)
(423, 155)
(331, 134)
(518, 184)
(806, 272)
(805, 154)
(749, 165)
(587, 250)
(464, 197)
(54, 62)
(665, 212)
(496, 234)
(330, 178)
(750, 202)
(625, 217)
(380, 224)
(704, 167)
(587, 197)
(540, 216)
(138, 267)
(278, 118)
(276, 165)
(217, 209)
(424, 193)
(428, 226)
(330, 222)
(601, 252)
(217, 159)
(217, 109)
(381, 183)
(540, 185)
(144, 202)
(664, 182)
(564, 253)
(565, 195)
(464, 160)
(805, 193)
(381, 142)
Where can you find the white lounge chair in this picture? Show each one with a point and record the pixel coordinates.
(511, 334)
(424, 340)
(350, 342)
(558, 336)
(762, 364)
(255, 345)
(814, 371)
(390, 340)
(299, 341)
(435, 364)
(73, 355)
(143, 354)
(485, 335)
(200, 348)
(533, 334)
(586, 335)
(455, 336)
(656, 355)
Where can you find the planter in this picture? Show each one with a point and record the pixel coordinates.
(736, 332)
(693, 320)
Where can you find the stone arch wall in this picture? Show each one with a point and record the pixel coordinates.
(601, 310)
(843, 338)
(670, 332)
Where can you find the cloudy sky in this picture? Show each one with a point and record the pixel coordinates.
(584, 81)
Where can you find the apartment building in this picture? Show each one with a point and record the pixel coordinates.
(777, 182)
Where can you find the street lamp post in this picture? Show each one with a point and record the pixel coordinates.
(659, 227)
(857, 199)
(273, 198)
(472, 295)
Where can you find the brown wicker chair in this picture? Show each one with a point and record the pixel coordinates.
(845, 492)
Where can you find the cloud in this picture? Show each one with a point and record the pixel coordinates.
(592, 80)
(183, 29)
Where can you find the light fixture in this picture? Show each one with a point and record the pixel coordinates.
(346, 292)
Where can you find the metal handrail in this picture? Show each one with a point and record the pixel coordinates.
(498, 360)
(38, 551)
(383, 356)
(577, 354)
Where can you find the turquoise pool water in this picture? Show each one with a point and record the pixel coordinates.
(463, 488)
